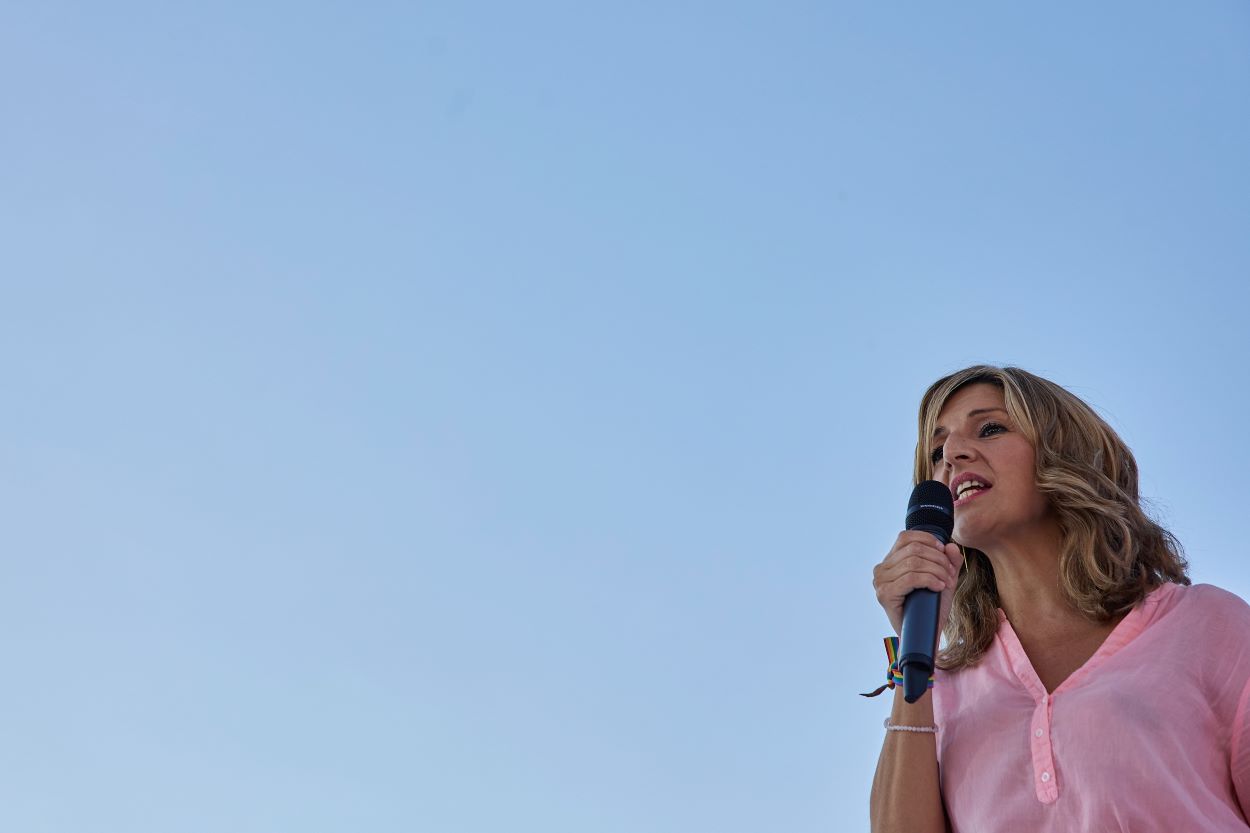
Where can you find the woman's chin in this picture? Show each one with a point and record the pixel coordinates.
(967, 535)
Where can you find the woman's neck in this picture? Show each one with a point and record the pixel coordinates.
(1026, 571)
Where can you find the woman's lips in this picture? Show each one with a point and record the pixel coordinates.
(971, 495)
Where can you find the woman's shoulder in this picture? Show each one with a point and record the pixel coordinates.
(1213, 604)
(1215, 597)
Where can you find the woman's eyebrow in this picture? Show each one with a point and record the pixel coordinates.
(940, 431)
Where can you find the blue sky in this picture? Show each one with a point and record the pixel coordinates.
(485, 417)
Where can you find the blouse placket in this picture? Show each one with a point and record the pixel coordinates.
(1045, 773)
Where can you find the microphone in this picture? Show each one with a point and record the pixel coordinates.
(931, 509)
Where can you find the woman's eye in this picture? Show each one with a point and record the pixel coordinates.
(987, 430)
(992, 428)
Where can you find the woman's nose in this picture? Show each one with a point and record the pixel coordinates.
(956, 447)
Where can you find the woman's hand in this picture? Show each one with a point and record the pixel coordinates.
(916, 560)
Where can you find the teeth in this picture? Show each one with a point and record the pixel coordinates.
(970, 485)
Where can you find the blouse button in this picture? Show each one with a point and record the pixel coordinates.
(1045, 777)
(1037, 733)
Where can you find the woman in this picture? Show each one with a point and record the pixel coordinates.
(1084, 685)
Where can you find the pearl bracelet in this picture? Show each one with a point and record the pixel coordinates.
(891, 727)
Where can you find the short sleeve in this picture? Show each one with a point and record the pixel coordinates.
(1240, 752)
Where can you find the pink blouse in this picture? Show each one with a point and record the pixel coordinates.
(1151, 734)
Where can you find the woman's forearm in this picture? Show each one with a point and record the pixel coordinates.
(906, 794)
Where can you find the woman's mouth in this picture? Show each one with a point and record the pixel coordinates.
(970, 490)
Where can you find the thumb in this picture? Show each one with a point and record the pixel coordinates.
(954, 554)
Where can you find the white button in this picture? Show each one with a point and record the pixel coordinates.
(1045, 777)
(1037, 733)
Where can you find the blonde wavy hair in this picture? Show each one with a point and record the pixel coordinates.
(1112, 555)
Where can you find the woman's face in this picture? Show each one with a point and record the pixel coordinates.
(989, 466)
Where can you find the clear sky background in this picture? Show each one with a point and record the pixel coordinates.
(466, 417)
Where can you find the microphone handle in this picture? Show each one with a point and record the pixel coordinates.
(919, 639)
(918, 642)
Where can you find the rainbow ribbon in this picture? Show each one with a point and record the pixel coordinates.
(893, 677)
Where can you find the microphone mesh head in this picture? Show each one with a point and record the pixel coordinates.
(931, 505)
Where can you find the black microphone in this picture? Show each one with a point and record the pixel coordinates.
(931, 509)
